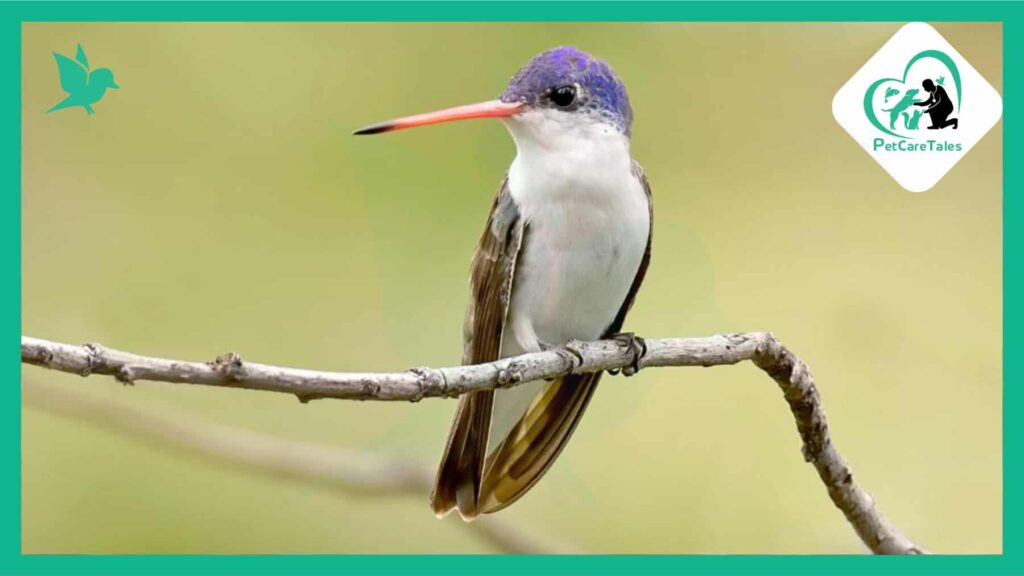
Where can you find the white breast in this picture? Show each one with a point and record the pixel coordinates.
(587, 222)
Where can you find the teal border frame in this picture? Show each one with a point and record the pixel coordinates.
(1011, 14)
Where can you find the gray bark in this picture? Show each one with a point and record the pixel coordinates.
(761, 348)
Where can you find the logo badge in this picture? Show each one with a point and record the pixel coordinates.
(84, 86)
(917, 107)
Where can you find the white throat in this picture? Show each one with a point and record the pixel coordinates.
(566, 158)
(575, 142)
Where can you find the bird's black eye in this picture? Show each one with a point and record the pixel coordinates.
(563, 95)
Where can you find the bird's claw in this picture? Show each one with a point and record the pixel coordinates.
(634, 344)
(568, 351)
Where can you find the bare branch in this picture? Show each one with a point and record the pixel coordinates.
(761, 348)
(350, 471)
(228, 370)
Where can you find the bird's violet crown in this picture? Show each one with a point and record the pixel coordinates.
(601, 91)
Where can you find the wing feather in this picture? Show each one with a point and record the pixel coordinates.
(73, 76)
(459, 475)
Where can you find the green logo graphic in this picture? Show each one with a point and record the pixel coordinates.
(898, 109)
(85, 87)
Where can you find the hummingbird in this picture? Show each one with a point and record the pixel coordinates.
(84, 87)
(563, 254)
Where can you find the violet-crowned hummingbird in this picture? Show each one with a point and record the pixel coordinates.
(563, 254)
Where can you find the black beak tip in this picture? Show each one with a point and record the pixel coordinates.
(374, 129)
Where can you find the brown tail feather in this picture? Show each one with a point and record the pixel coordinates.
(535, 441)
(458, 481)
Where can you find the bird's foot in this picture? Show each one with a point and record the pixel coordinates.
(634, 344)
(569, 351)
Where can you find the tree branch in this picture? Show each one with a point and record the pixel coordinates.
(761, 348)
(354, 472)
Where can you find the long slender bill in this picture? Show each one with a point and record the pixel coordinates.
(489, 109)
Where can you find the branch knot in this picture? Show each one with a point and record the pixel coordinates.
(510, 375)
(428, 380)
(229, 365)
(93, 358)
(125, 375)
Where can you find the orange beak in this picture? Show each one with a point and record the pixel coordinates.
(489, 109)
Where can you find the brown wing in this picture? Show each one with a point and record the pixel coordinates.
(539, 436)
(461, 470)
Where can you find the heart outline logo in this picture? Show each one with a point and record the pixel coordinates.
(869, 95)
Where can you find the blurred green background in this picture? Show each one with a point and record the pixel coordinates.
(218, 202)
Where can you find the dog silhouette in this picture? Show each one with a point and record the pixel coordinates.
(906, 102)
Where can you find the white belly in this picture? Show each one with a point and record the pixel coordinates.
(587, 223)
(576, 267)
